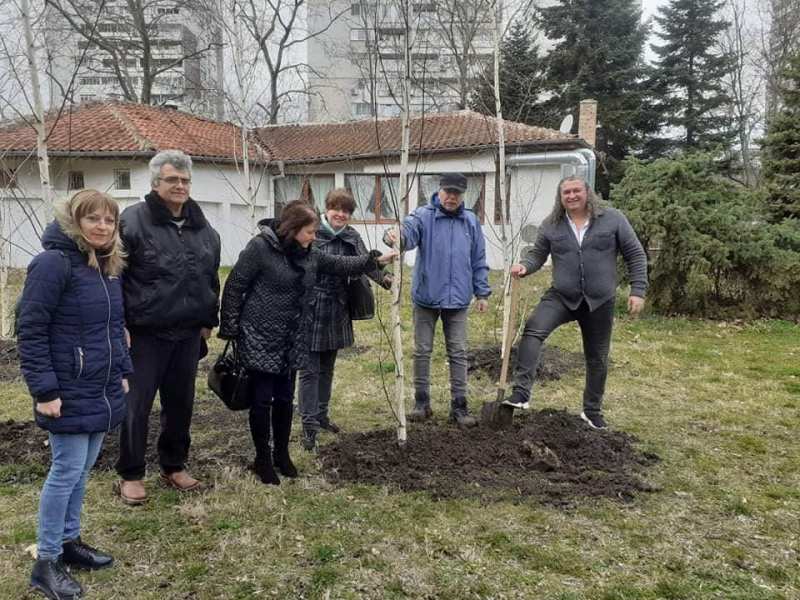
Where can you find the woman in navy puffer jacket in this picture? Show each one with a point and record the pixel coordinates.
(74, 359)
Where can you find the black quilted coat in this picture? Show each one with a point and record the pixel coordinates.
(268, 301)
(333, 328)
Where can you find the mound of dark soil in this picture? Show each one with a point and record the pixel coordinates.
(554, 362)
(548, 456)
(9, 360)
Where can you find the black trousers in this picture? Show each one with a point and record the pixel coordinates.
(595, 327)
(168, 367)
(271, 407)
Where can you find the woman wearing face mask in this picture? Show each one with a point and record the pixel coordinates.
(333, 328)
(74, 360)
(268, 309)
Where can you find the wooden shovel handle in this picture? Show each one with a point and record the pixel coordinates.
(509, 333)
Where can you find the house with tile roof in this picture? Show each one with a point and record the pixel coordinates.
(108, 145)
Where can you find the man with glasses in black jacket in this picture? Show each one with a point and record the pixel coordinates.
(171, 291)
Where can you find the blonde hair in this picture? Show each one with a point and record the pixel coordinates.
(69, 215)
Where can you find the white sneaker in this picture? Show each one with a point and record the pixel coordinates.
(516, 404)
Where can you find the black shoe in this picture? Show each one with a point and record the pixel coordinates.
(51, 578)
(329, 425)
(309, 439)
(459, 413)
(422, 408)
(262, 466)
(594, 420)
(82, 556)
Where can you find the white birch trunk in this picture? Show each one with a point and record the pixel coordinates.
(502, 196)
(397, 339)
(38, 108)
(5, 261)
(246, 174)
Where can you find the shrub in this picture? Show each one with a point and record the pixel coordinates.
(711, 250)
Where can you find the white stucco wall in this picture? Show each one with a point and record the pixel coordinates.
(532, 194)
(218, 188)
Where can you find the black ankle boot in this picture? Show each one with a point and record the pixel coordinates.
(82, 556)
(262, 466)
(422, 407)
(52, 579)
(281, 430)
(459, 413)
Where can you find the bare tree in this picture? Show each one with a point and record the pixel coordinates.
(139, 45)
(780, 39)
(744, 83)
(465, 28)
(279, 32)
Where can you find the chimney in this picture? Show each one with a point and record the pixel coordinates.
(587, 121)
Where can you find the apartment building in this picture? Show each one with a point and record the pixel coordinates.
(356, 65)
(114, 61)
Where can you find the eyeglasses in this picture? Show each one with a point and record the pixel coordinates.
(174, 180)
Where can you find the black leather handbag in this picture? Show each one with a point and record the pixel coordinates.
(229, 380)
(360, 299)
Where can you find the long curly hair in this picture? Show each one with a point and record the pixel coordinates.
(111, 259)
(559, 212)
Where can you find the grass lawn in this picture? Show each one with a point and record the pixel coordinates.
(718, 402)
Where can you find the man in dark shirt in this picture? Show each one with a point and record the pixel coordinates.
(171, 291)
(583, 240)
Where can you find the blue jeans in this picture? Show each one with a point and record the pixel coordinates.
(74, 454)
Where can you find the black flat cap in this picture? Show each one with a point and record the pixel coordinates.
(453, 181)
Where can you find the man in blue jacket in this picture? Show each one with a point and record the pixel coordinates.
(449, 270)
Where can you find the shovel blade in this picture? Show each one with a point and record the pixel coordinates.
(497, 415)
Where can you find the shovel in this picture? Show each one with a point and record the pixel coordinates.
(496, 414)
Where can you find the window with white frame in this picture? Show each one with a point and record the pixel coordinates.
(122, 179)
(378, 198)
(361, 109)
(358, 35)
(428, 185)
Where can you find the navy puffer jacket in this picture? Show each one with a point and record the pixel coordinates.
(71, 338)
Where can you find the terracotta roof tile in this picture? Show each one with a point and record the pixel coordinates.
(123, 128)
(440, 132)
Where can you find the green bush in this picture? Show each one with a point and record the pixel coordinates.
(711, 250)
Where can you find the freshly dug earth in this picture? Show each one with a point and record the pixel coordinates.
(548, 456)
(9, 361)
(554, 362)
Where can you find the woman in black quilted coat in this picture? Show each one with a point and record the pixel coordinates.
(268, 309)
(333, 328)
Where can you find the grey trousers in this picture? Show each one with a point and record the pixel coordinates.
(454, 324)
(314, 394)
(596, 333)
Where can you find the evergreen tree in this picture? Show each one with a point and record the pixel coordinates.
(521, 81)
(781, 150)
(689, 74)
(598, 54)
